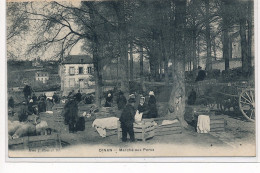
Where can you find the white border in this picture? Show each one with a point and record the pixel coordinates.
(50, 161)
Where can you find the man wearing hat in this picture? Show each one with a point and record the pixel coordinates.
(23, 112)
(127, 119)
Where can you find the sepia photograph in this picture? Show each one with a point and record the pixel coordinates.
(130, 79)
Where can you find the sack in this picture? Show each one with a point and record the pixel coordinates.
(80, 125)
(138, 116)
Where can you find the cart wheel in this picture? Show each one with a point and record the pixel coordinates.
(222, 108)
(247, 104)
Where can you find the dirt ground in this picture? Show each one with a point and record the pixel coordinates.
(239, 135)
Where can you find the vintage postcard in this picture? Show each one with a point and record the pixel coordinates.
(137, 78)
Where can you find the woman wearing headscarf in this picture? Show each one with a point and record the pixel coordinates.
(152, 108)
(109, 99)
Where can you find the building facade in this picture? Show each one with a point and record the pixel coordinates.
(76, 73)
(42, 76)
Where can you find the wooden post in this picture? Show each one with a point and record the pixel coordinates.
(143, 131)
(118, 130)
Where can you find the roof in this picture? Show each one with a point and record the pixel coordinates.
(42, 72)
(78, 59)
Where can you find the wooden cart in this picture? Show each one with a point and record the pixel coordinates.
(238, 95)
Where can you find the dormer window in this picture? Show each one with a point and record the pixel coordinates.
(81, 60)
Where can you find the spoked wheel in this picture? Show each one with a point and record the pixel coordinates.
(247, 104)
(222, 108)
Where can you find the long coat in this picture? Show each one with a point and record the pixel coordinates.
(128, 115)
(70, 112)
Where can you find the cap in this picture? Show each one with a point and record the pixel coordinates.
(151, 93)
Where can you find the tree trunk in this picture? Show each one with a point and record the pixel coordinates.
(214, 49)
(225, 48)
(208, 41)
(177, 97)
(96, 60)
(198, 51)
(230, 42)
(142, 69)
(124, 73)
(194, 57)
(244, 48)
(131, 62)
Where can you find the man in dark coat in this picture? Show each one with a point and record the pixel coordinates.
(42, 105)
(11, 102)
(121, 100)
(34, 98)
(127, 120)
(201, 75)
(23, 112)
(27, 91)
(70, 113)
(78, 96)
(44, 96)
(55, 98)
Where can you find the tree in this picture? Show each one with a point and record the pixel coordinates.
(208, 39)
(177, 98)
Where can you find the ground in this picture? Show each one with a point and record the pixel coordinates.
(238, 139)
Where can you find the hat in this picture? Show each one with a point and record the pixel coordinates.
(132, 96)
(31, 101)
(151, 93)
(131, 100)
(142, 98)
(24, 102)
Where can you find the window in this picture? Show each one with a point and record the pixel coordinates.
(72, 70)
(89, 70)
(81, 60)
(80, 70)
(72, 82)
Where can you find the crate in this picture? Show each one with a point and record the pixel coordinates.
(142, 131)
(217, 123)
(168, 129)
(32, 143)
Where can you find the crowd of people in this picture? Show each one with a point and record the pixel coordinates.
(32, 104)
(35, 105)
